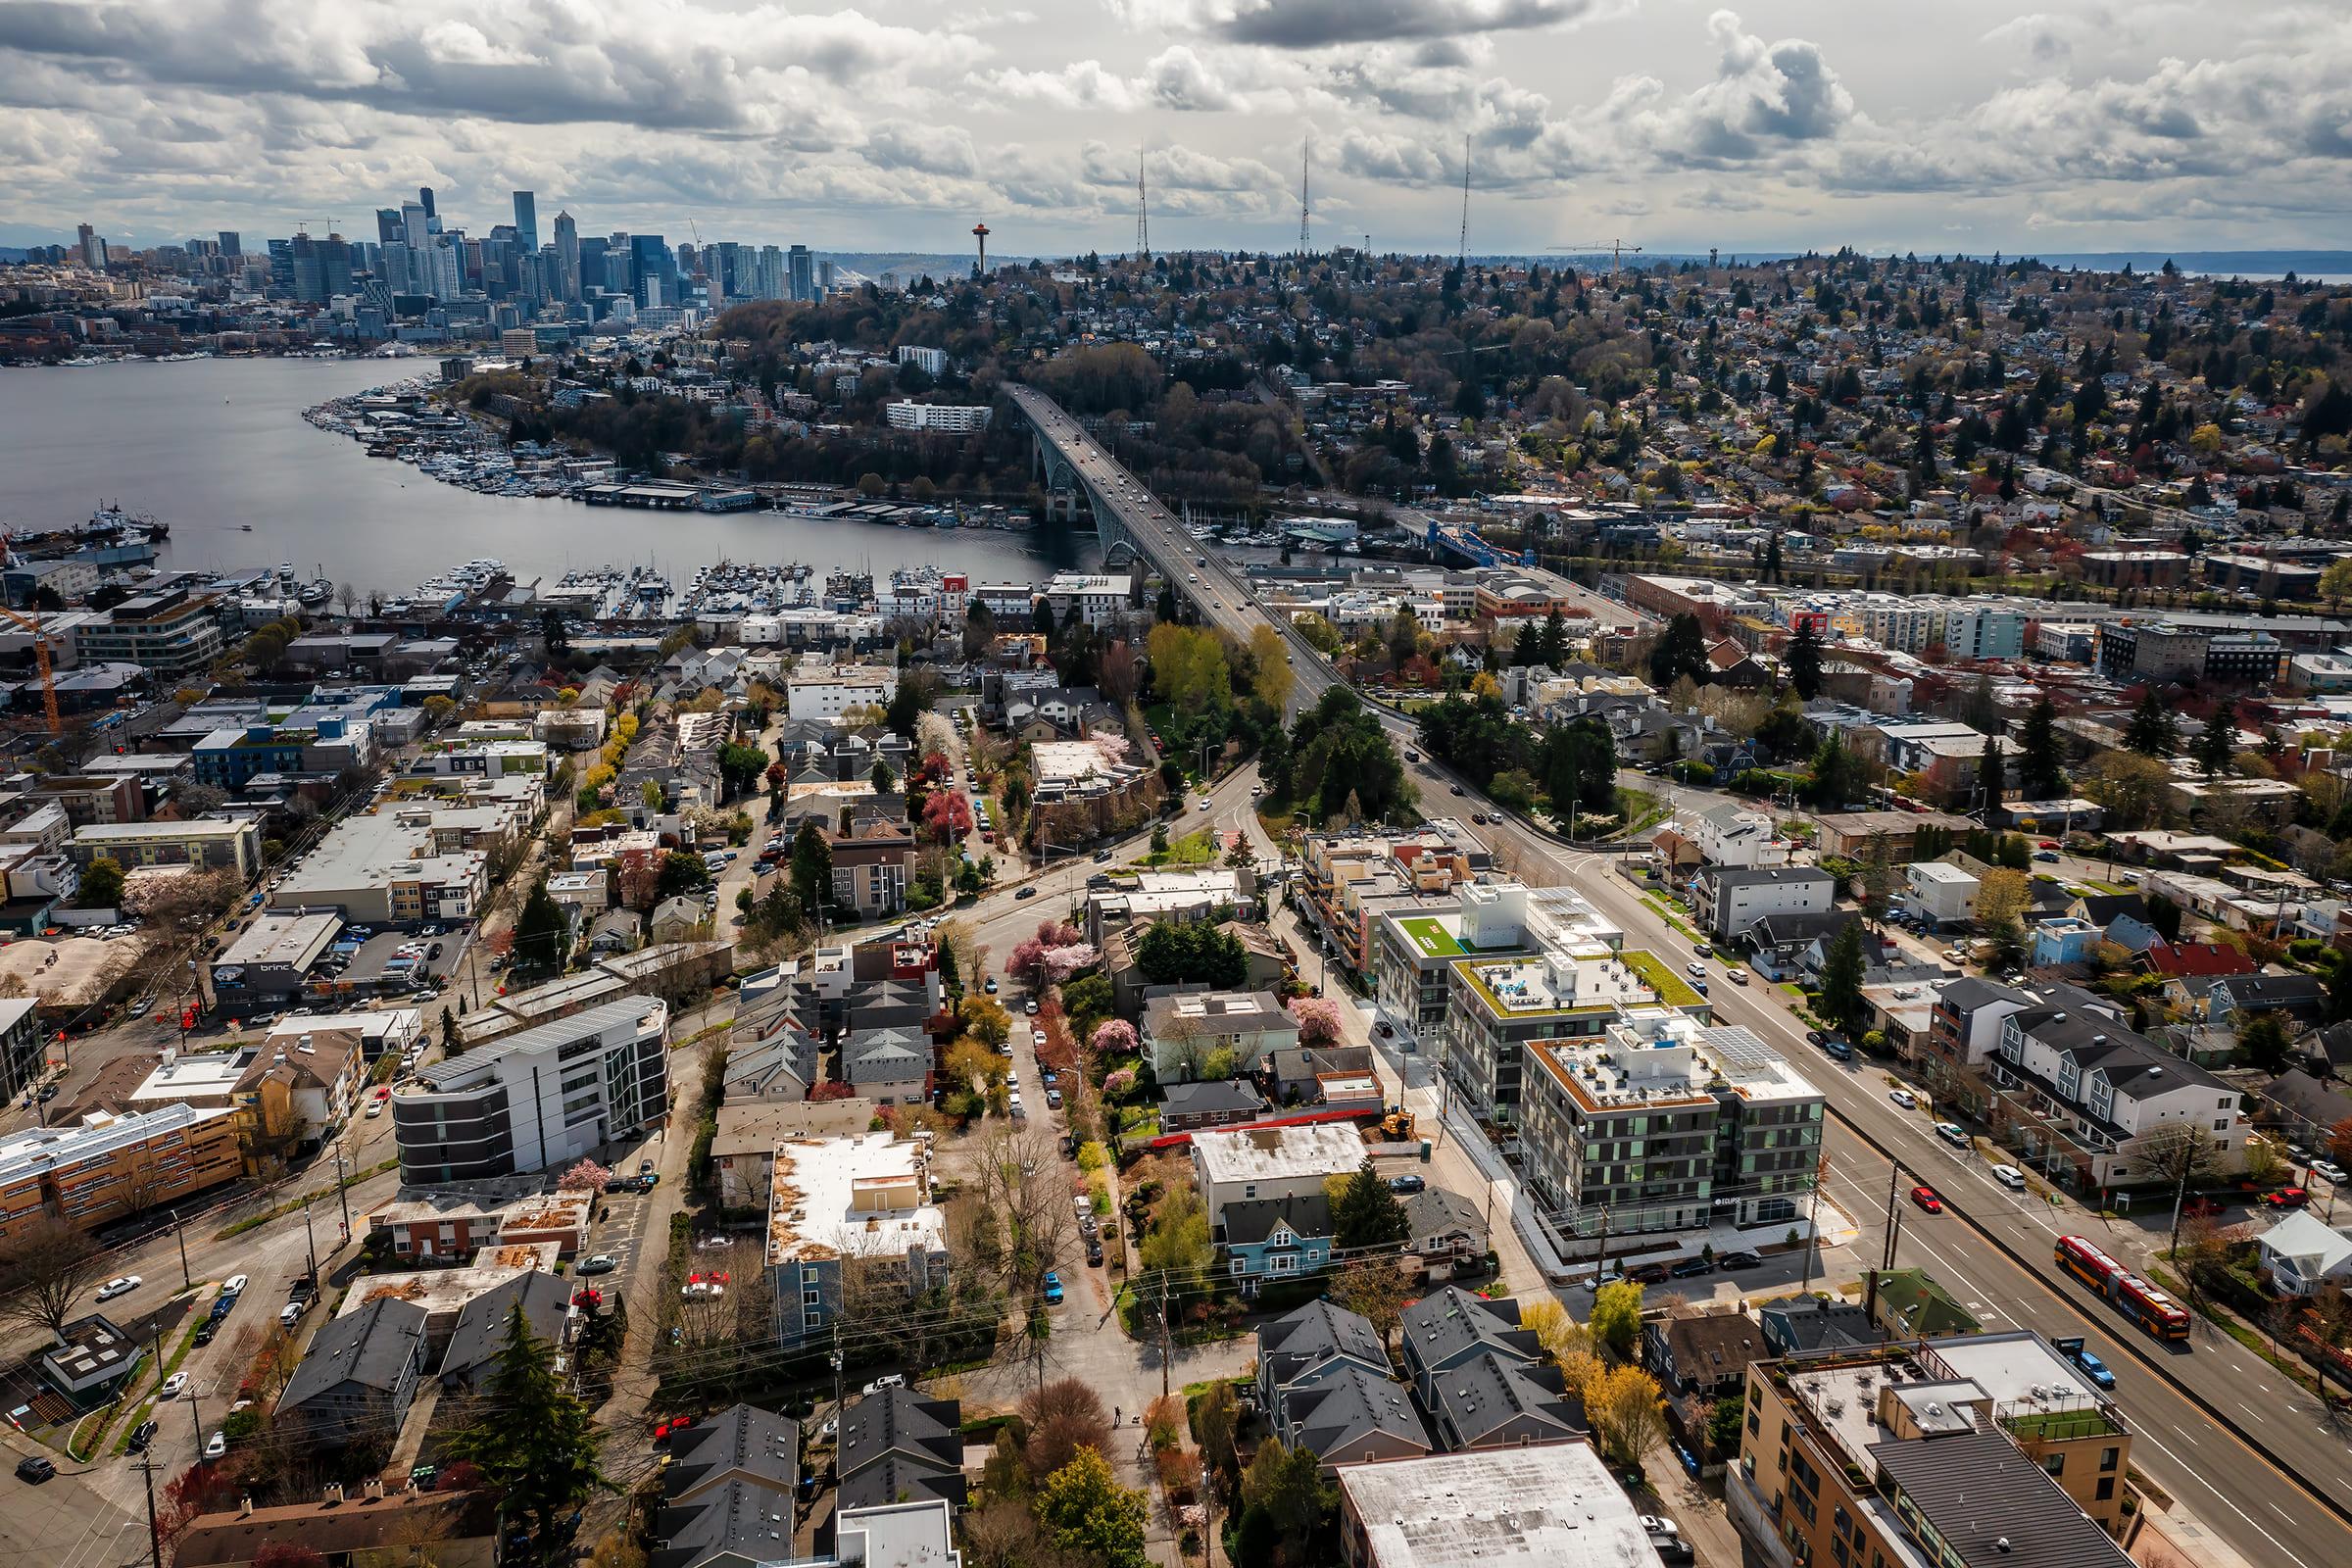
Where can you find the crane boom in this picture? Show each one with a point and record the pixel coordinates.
(40, 657)
(1614, 249)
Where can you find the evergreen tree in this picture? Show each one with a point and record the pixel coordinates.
(1166, 610)
(534, 1440)
(1366, 1213)
(1840, 1000)
(2217, 743)
(1772, 557)
(2153, 730)
(1682, 651)
(1991, 780)
(2041, 763)
(1040, 618)
(541, 933)
(1804, 660)
(1555, 639)
(812, 866)
(1528, 647)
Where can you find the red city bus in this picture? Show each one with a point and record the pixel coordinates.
(2141, 1302)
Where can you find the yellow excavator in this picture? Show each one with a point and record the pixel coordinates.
(1398, 1125)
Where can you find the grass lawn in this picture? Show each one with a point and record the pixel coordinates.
(1672, 989)
(1640, 809)
(1671, 911)
(1193, 849)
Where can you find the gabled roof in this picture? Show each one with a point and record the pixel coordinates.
(1434, 1211)
(2186, 958)
(2103, 910)
(895, 1436)
(482, 1322)
(1788, 929)
(1309, 1336)
(1709, 1347)
(744, 1438)
(1451, 1323)
(1474, 1399)
(1251, 1220)
(1209, 1096)
(2262, 992)
(369, 1348)
(738, 1522)
(1335, 1415)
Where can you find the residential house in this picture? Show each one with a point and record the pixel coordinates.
(680, 919)
(1273, 1238)
(1796, 1325)
(1185, 1030)
(1445, 1228)
(1296, 1075)
(2063, 939)
(1737, 836)
(887, 1066)
(2075, 1092)
(358, 1376)
(1730, 901)
(1350, 1415)
(368, 1527)
(1940, 893)
(2303, 1253)
(1307, 1344)
(1702, 1354)
(897, 1446)
(482, 1332)
(2301, 997)
(1493, 1400)
(1965, 1030)
(1188, 1107)
(1909, 1304)
(1293, 1161)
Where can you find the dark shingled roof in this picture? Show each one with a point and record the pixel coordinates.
(482, 1322)
(369, 1347)
(894, 1439)
(1451, 1323)
(1337, 1412)
(1478, 1397)
(1993, 1506)
(1250, 1220)
(757, 1442)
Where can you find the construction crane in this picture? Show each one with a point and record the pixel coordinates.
(1614, 249)
(40, 654)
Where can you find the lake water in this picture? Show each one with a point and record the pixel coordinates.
(208, 445)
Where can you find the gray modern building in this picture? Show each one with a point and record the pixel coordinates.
(540, 1099)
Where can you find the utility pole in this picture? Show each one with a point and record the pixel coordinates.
(178, 1234)
(155, 1543)
(342, 1191)
(1821, 1174)
(1600, 1264)
(1164, 1350)
(310, 1240)
(1870, 1302)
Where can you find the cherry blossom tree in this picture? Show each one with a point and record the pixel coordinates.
(1114, 1037)
(1318, 1020)
(1024, 963)
(946, 815)
(1059, 963)
(585, 1177)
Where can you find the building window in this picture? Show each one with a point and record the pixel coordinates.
(2109, 1457)
(2106, 1490)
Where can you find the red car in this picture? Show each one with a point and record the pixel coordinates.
(2287, 1198)
(1925, 1197)
(2047, 843)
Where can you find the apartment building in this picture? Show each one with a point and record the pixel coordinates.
(105, 1166)
(167, 633)
(2077, 1093)
(1272, 1162)
(827, 693)
(1547, 1505)
(872, 864)
(950, 418)
(1497, 1009)
(1662, 1124)
(1730, 901)
(206, 843)
(1887, 1454)
(1351, 880)
(539, 1100)
(1184, 1030)
(847, 1217)
(1413, 952)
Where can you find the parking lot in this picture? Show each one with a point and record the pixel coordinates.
(619, 1234)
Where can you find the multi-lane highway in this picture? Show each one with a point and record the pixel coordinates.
(2256, 1458)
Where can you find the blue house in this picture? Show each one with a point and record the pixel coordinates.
(2063, 939)
(1275, 1237)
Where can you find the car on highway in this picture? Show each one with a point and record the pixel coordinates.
(120, 1285)
(1453, 789)
(2045, 855)
(1952, 1133)
(2088, 1361)
(1925, 1196)
(1904, 1099)
(2009, 1176)
(1704, 950)
(1052, 1288)
(1697, 971)
(1024, 893)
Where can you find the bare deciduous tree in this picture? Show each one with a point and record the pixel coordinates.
(46, 1270)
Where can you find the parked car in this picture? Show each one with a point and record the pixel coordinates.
(2286, 1197)
(1739, 1261)
(1094, 1253)
(1649, 1274)
(233, 1286)
(1052, 1288)
(141, 1436)
(2087, 1362)
(2009, 1176)
(599, 1263)
(888, 1379)
(171, 1388)
(1690, 1269)
(1952, 1133)
(289, 1314)
(216, 1445)
(2329, 1169)
(1904, 1099)
(33, 1469)
(1410, 1182)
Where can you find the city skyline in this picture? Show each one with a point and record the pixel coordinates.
(2067, 127)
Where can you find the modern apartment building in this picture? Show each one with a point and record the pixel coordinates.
(953, 418)
(168, 632)
(848, 1217)
(105, 1166)
(2077, 1094)
(1413, 952)
(828, 693)
(539, 1100)
(1730, 901)
(1889, 1454)
(1498, 1008)
(206, 843)
(1662, 1124)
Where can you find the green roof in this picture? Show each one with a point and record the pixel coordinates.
(1672, 989)
(1430, 935)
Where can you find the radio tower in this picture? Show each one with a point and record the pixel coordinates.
(1304, 208)
(1463, 258)
(1143, 212)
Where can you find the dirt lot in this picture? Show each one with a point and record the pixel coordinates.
(69, 971)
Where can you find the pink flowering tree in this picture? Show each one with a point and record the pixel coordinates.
(1114, 1037)
(1026, 963)
(1318, 1020)
(585, 1177)
(1120, 1084)
(1057, 933)
(946, 815)
(1057, 964)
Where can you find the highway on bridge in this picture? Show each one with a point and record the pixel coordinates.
(2259, 1460)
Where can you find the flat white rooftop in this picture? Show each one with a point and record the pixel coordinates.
(1552, 1506)
(867, 1196)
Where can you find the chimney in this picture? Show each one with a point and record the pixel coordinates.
(334, 1495)
(245, 1506)
(375, 1488)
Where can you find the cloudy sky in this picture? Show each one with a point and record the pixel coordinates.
(1915, 124)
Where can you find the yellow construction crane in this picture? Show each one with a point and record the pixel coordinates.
(1614, 249)
(40, 654)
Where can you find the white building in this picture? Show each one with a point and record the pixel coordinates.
(2077, 1092)
(541, 1100)
(1098, 597)
(828, 693)
(1735, 836)
(1272, 1162)
(953, 418)
(934, 361)
(863, 1201)
(1941, 893)
(1731, 900)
